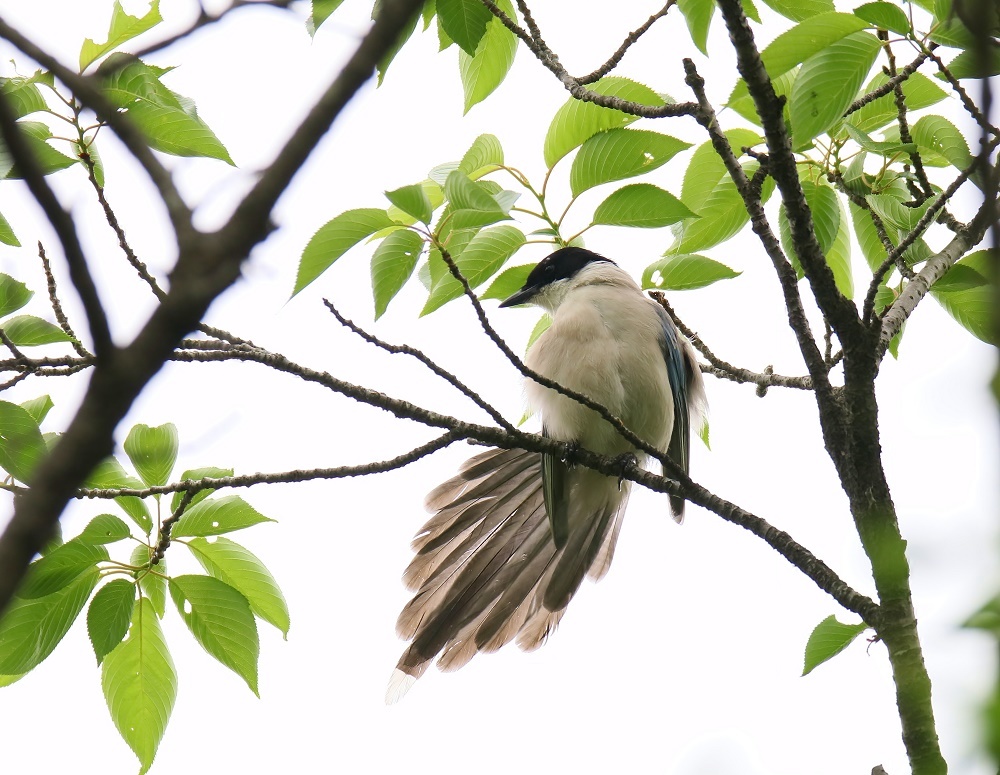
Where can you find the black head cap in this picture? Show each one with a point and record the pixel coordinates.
(561, 265)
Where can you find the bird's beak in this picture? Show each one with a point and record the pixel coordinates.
(523, 296)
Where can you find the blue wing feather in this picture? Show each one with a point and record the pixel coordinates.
(677, 371)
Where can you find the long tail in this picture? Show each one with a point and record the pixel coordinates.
(487, 570)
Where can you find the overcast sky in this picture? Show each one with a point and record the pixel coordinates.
(686, 658)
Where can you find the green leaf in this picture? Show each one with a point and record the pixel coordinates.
(577, 121)
(986, 618)
(38, 407)
(828, 639)
(392, 265)
(13, 294)
(153, 584)
(966, 294)
(919, 92)
(508, 281)
(641, 205)
(404, 35)
(21, 443)
(123, 28)
(482, 258)
(743, 103)
(220, 619)
(195, 474)
(48, 159)
(839, 255)
(109, 475)
(938, 134)
(464, 21)
(7, 680)
(698, 15)
(953, 33)
(413, 201)
(104, 529)
(882, 148)
(466, 194)
(685, 272)
(7, 235)
(238, 567)
(140, 685)
(31, 628)
(335, 238)
(485, 70)
(966, 64)
(797, 10)
(321, 11)
(23, 94)
(60, 568)
(109, 615)
(706, 169)
(826, 214)
(153, 451)
(892, 211)
(616, 154)
(484, 156)
(804, 40)
(722, 214)
(885, 16)
(540, 328)
(215, 516)
(169, 121)
(30, 331)
(827, 84)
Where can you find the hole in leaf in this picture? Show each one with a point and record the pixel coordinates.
(187, 607)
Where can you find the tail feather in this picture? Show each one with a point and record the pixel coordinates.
(487, 570)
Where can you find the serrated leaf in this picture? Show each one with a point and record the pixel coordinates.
(966, 294)
(827, 216)
(48, 159)
(828, 639)
(575, 122)
(893, 212)
(797, 10)
(967, 64)
(60, 568)
(484, 155)
(215, 516)
(168, 120)
(886, 16)
(486, 69)
(335, 238)
(321, 11)
(104, 529)
(743, 103)
(123, 28)
(721, 216)
(38, 407)
(140, 685)
(919, 91)
(480, 260)
(464, 21)
(413, 201)
(109, 475)
(641, 205)
(238, 567)
(109, 615)
(194, 474)
(827, 84)
(392, 265)
(507, 282)
(152, 581)
(31, 628)
(685, 272)
(698, 15)
(21, 443)
(882, 148)
(466, 194)
(23, 94)
(31, 331)
(220, 619)
(953, 33)
(540, 328)
(7, 235)
(13, 295)
(616, 154)
(706, 169)
(153, 451)
(938, 134)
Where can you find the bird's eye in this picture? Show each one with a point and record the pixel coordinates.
(549, 270)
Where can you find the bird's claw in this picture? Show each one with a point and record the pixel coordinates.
(625, 463)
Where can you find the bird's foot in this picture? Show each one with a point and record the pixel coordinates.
(625, 463)
(570, 448)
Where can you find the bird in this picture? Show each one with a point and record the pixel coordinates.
(514, 533)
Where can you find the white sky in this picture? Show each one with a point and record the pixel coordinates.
(686, 658)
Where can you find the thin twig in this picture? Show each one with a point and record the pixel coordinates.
(629, 41)
(50, 283)
(404, 349)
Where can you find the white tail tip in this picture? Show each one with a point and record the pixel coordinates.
(399, 685)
